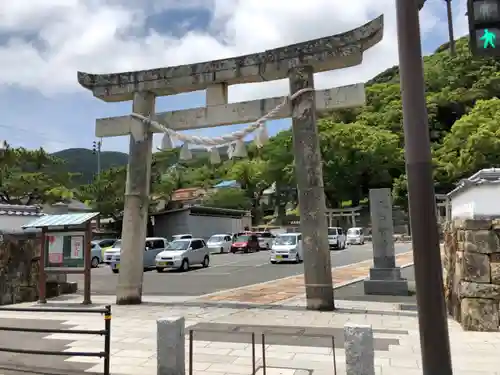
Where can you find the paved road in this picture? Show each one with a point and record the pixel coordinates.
(226, 271)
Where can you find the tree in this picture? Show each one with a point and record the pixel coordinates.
(30, 177)
(251, 175)
(357, 157)
(472, 144)
(106, 193)
(280, 170)
(400, 192)
(233, 198)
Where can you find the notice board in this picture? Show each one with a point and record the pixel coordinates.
(65, 249)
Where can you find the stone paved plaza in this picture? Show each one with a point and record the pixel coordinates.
(133, 340)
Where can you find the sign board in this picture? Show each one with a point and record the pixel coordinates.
(65, 249)
(187, 194)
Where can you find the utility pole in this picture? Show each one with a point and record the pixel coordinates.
(432, 316)
(453, 51)
(96, 150)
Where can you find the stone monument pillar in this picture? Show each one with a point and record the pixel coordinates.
(385, 278)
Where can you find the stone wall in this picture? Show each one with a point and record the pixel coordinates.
(472, 273)
(19, 261)
(19, 256)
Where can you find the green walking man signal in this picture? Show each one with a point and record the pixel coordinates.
(488, 39)
(484, 27)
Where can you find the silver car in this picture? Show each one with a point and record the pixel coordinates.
(182, 254)
(152, 247)
(220, 243)
(95, 254)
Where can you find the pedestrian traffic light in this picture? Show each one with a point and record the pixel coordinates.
(484, 27)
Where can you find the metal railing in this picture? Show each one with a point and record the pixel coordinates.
(106, 332)
(254, 344)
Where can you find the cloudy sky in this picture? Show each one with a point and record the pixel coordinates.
(43, 43)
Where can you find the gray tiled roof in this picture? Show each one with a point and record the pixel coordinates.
(19, 210)
(484, 176)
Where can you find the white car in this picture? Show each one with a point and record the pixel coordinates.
(355, 236)
(176, 237)
(287, 247)
(152, 246)
(265, 239)
(182, 254)
(336, 238)
(220, 243)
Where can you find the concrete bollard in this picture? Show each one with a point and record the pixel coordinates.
(359, 350)
(170, 348)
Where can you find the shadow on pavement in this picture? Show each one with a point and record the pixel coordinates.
(355, 292)
(19, 363)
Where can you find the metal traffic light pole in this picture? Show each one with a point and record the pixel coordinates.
(432, 316)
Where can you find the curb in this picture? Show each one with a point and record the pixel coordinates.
(291, 277)
(338, 286)
(358, 279)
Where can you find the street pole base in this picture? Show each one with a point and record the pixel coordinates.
(386, 287)
(319, 298)
(131, 295)
(130, 300)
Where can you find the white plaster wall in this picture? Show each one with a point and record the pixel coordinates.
(477, 201)
(14, 222)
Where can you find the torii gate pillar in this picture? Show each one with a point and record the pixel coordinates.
(312, 207)
(136, 204)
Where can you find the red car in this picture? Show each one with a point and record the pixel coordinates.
(245, 243)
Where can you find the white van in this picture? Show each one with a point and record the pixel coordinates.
(355, 236)
(336, 238)
(220, 243)
(287, 247)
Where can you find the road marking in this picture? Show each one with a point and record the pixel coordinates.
(225, 264)
(205, 274)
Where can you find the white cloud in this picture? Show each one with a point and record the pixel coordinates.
(98, 36)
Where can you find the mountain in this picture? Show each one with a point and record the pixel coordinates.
(84, 162)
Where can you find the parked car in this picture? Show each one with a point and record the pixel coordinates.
(336, 238)
(265, 239)
(104, 244)
(245, 243)
(219, 243)
(182, 254)
(186, 236)
(152, 247)
(239, 234)
(95, 254)
(355, 236)
(287, 248)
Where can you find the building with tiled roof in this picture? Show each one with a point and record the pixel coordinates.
(13, 216)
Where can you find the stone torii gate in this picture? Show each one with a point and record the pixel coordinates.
(296, 62)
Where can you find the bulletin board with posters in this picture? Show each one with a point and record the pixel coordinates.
(65, 249)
